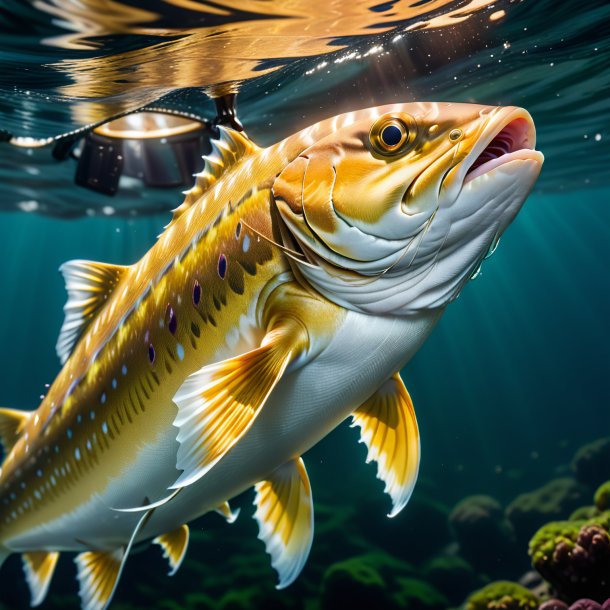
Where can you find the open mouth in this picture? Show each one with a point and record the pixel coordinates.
(514, 141)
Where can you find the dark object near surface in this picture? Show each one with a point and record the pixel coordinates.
(100, 164)
(159, 149)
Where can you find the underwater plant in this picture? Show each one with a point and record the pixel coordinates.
(574, 557)
(502, 595)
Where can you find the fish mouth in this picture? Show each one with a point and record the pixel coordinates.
(509, 138)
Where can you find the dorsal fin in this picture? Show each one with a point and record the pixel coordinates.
(89, 284)
(12, 422)
(227, 150)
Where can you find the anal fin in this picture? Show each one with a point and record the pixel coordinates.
(98, 575)
(388, 427)
(98, 572)
(174, 545)
(225, 510)
(39, 568)
(284, 512)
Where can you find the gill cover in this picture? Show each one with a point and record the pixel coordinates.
(343, 198)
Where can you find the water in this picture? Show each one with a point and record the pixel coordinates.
(512, 382)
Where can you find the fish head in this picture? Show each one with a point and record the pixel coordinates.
(392, 209)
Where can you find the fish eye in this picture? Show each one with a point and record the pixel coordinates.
(392, 134)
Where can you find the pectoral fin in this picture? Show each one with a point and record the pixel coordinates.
(388, 428)
(218, 404)
(284, 512)
(174, 545)
(39, 568)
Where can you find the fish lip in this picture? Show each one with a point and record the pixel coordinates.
(508, 136)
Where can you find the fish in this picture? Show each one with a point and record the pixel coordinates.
(288, 291)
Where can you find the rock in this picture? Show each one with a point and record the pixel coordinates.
(591, 464)
(602, 497)
(484, 535)
(502, 595)
(417, 594)
(454, 577)
(574, 557)
(555, 500)
(356, 583)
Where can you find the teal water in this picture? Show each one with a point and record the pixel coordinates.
(514, 380)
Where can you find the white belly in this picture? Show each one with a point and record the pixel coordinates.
(305, 406)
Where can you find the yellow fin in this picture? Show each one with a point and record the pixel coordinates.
(284, 513)
(227, 150)
(39, 568)
(225, 510)
(12, 422)
(388, 427)
(174, 545)
(89, 284)
(98, 576)
(218, 404)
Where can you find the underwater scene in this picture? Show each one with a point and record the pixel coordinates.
(254, 402)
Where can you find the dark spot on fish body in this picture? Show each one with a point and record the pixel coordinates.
(151, 353)
(195, 329)
(196, 293)
(248, 267)
(238, 230)
(222, 266)
(216, 302)
(236, 280)
(170, 319)
(171, 354)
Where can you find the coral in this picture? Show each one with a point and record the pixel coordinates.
(453, 576)
(585, 604)
(484, 535)
(502, 595)
(574, 557)
(553, 604)
(602, 497)
(584, 512)
(555, 500)
(591, 463)
(417, 594)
